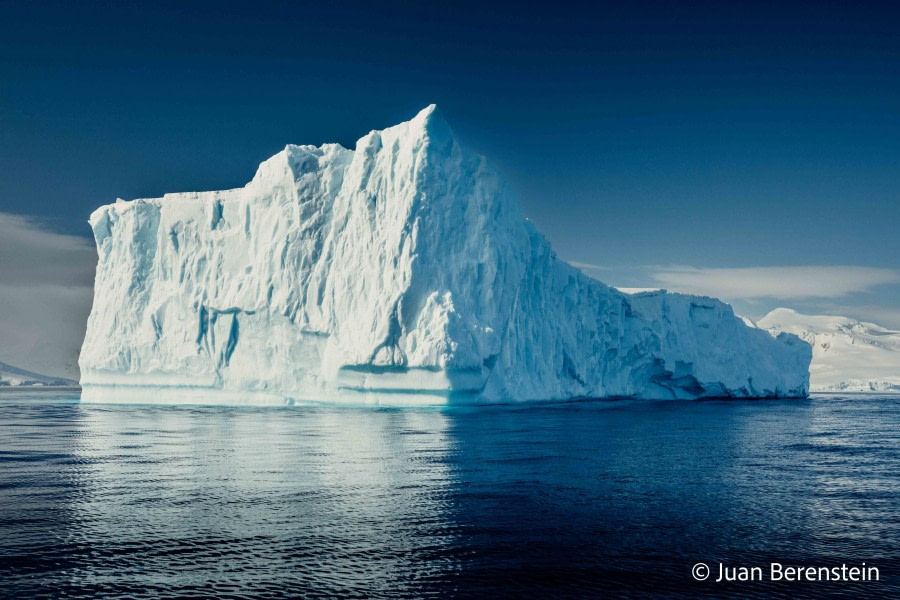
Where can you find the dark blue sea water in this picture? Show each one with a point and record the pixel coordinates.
(592, 499)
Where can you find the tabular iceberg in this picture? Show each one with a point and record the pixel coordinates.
(400, 272)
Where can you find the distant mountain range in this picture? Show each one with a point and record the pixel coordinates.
(13, 376)
(848, 355)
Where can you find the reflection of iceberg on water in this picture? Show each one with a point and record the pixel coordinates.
(402, 272)
(249, 497)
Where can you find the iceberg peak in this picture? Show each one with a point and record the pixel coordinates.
(427, 128)
(429, 113)
(399, 272)
(434, 127)
(431, 122)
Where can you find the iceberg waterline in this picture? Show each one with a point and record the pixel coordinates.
(402, 272)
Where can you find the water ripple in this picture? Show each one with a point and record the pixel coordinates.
(586, 500)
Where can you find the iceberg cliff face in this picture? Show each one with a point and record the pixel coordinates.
(400, 272)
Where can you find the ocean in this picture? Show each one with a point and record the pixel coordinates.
(583, 499)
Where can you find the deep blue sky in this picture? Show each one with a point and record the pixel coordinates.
(636, 134)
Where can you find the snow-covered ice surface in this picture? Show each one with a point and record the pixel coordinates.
(401, 272)
(848, 355)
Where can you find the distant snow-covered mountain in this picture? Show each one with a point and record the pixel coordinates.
(14, 376)
(848, 355)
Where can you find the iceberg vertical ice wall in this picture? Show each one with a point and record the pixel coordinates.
(400, 272)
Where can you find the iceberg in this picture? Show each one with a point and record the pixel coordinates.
(848, 355)
(401, 272)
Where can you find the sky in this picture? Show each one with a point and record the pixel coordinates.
(749, 151)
